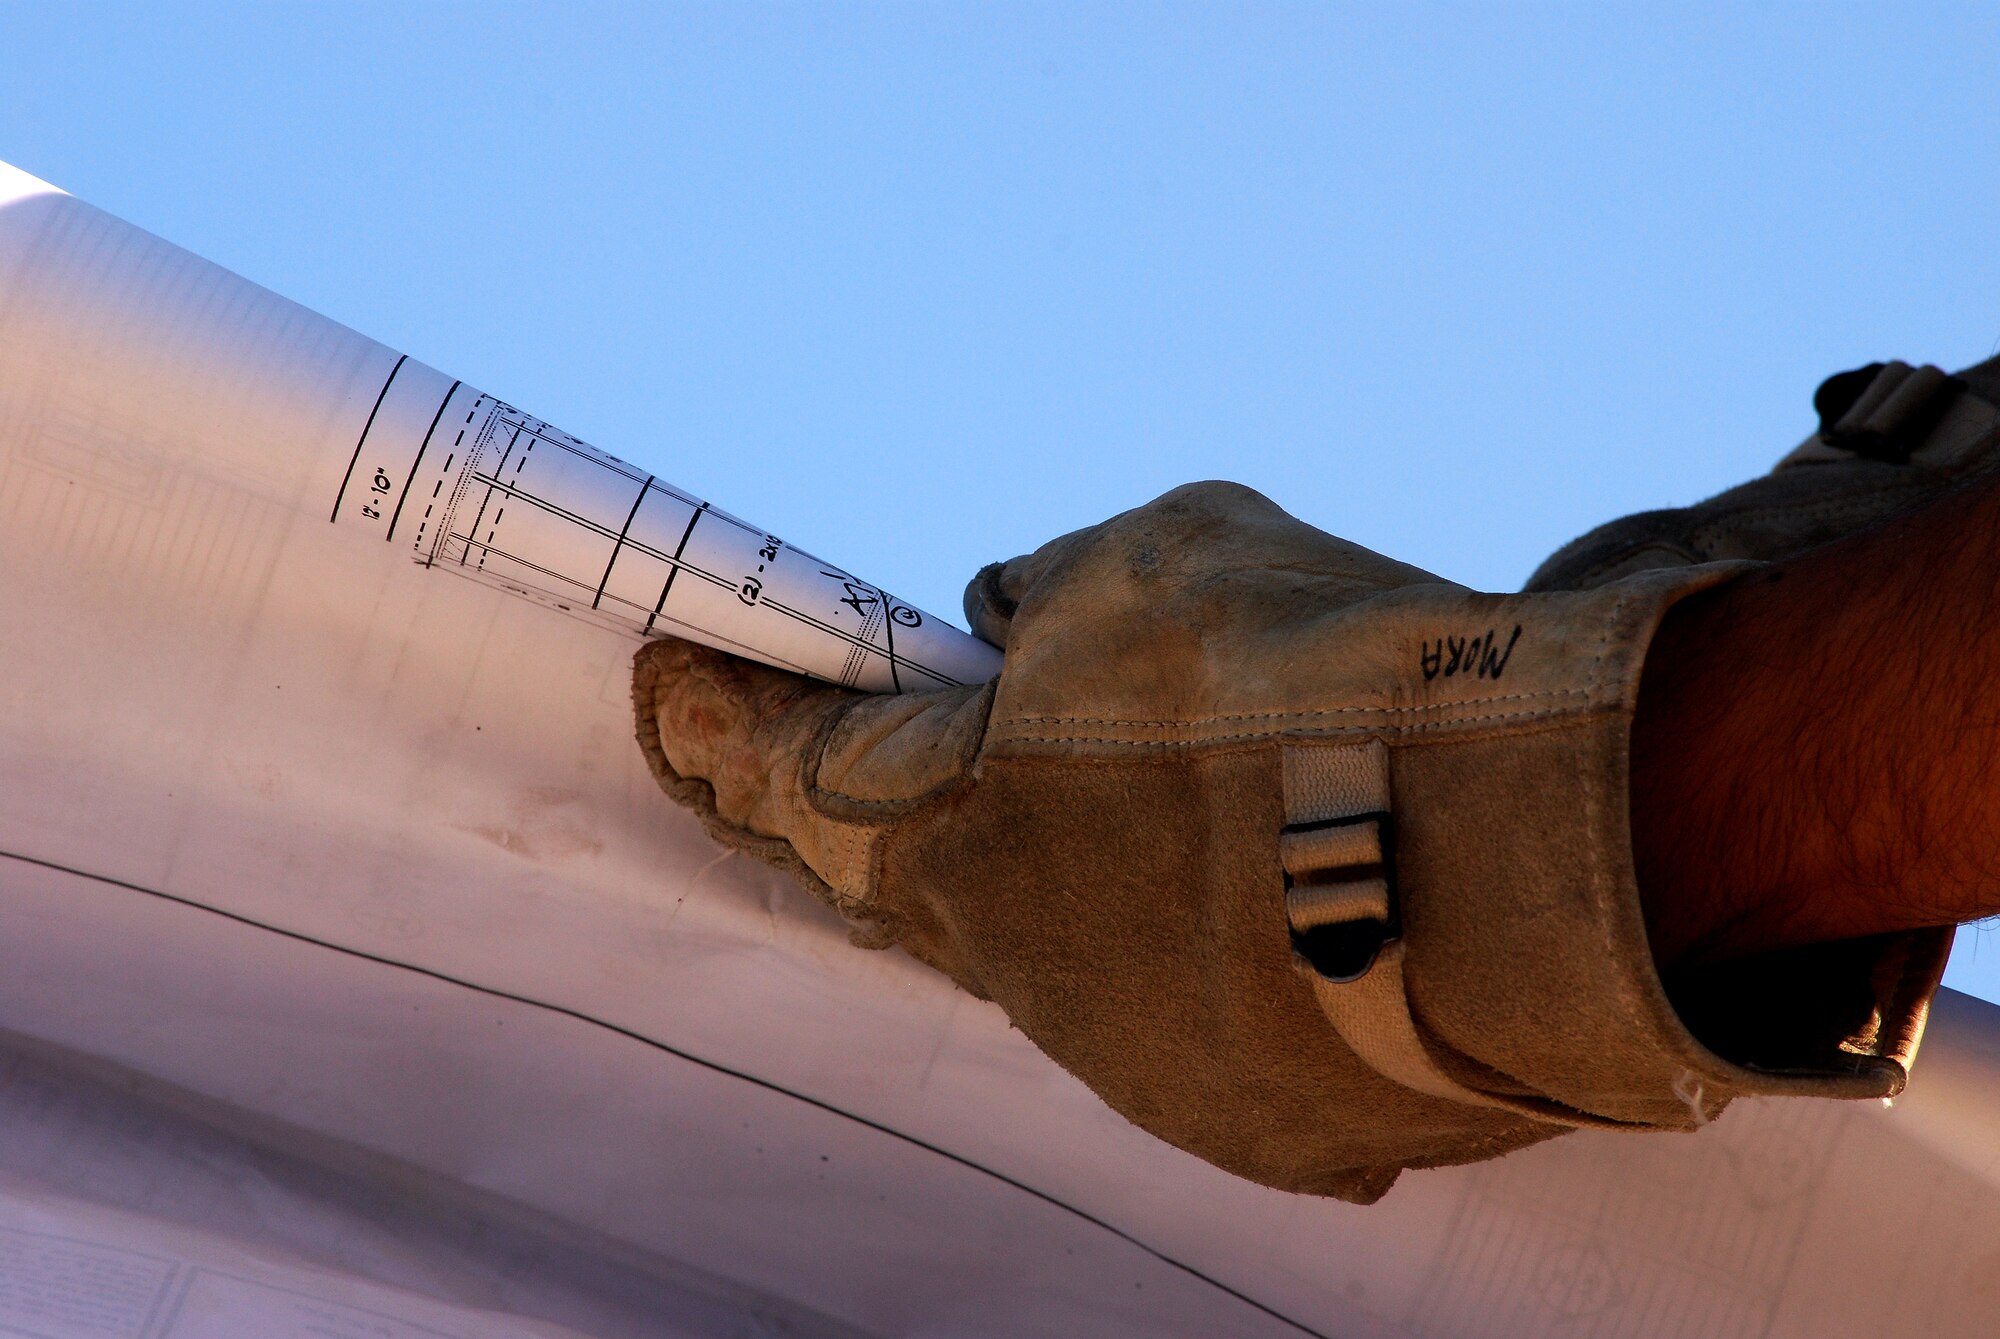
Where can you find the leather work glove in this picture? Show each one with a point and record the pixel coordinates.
(1303, 859)
(1891, 438)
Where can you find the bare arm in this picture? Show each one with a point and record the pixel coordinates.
(1816, 751)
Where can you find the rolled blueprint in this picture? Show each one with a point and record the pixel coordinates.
(469, 485)
(463, 483)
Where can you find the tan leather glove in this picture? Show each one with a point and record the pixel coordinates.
(1303, 859)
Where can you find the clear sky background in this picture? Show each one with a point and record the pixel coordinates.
(921, 286)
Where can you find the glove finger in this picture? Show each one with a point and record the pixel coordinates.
(779, 759)
(991, 599)
(1183, 538)
(742, 727)
(1158, 530)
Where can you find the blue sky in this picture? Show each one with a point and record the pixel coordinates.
(919, 286)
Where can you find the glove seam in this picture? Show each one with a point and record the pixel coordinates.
(1824, 508)
(1545, 719)
(1303, 713)
(936, 792)
(1611, 623)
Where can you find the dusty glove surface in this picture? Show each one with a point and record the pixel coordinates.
(1205, 703)
(1892, 437)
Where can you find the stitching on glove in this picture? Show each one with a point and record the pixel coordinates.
(1548, 721)
(855, 802)
(1298, 715)
(1826, 509)
(1613, 620)
(1603, 644)
(1701, 538)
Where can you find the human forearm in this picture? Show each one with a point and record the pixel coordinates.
(1816, 755)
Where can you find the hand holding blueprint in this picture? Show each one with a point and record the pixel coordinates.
(320, 809)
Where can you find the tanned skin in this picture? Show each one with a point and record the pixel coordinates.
(1816, 753)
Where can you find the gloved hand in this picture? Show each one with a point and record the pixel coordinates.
(1303, 859)
(1891, 438)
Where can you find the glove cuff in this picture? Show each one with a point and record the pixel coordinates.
(1466, 909)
